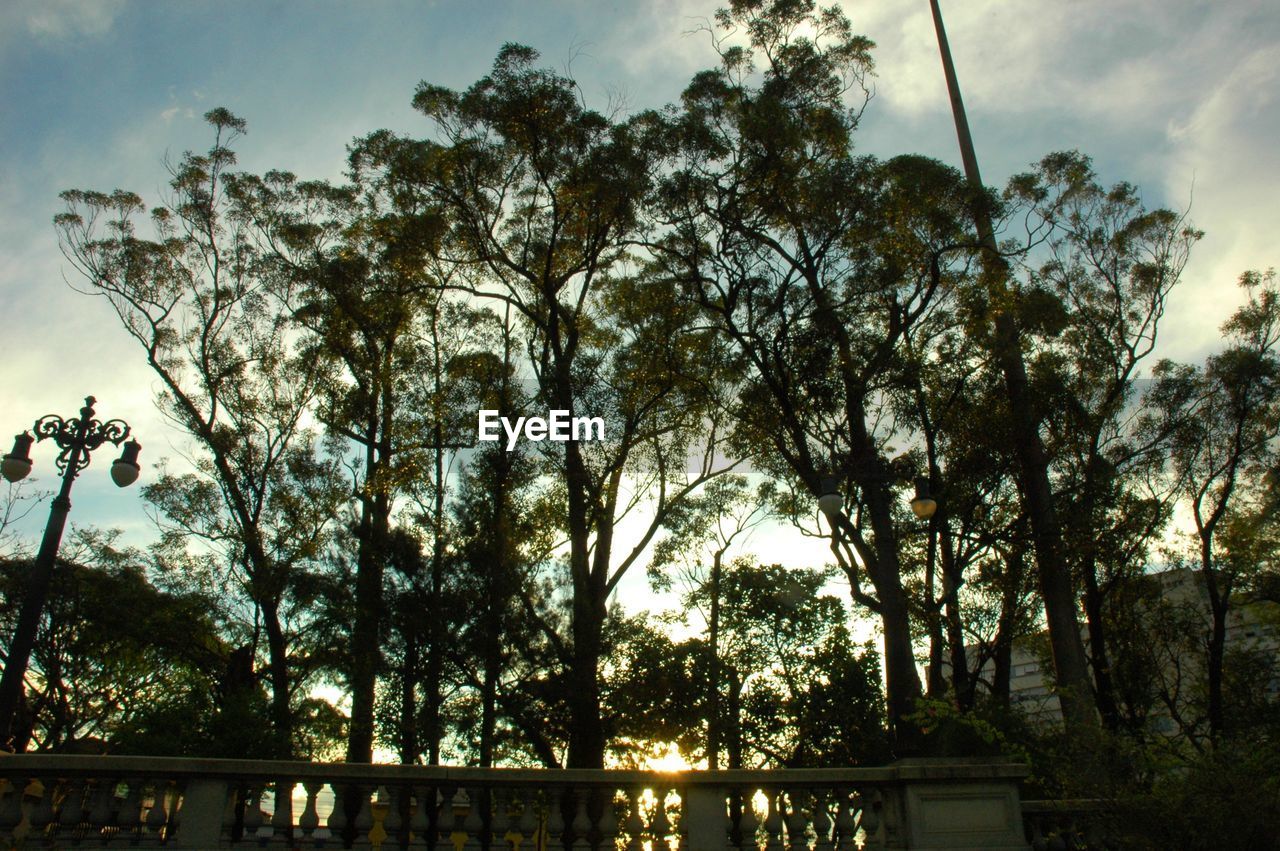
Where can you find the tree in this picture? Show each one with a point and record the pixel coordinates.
(1110, 267)
(1223, 451)
(196, 299)
(122, 666)
(358, 266)
(542, 198)
(798, 693)
(708, 524)
(812, 264)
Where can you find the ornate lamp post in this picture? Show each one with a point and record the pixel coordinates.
(77, 438)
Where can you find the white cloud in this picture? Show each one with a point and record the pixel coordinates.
(61, 19)
(1228, 147)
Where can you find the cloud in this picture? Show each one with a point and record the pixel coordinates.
(1172, 95)
(61, 19)
(1227, 147)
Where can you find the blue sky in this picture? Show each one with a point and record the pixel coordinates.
(1179, 97)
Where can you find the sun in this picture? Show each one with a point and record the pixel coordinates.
(666, 756)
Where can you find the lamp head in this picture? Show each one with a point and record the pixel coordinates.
(17, 464)
(830, 500)
(923, 505)
(125, 469)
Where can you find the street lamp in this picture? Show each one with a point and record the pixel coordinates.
(922, 504)
(830, 501)
(77, 438)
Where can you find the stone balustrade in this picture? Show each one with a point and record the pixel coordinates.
(71, 801)
(1069, 825)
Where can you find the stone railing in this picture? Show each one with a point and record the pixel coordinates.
(1069, 825)
(72, 801)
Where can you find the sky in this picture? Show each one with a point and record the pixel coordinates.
(1178, 97)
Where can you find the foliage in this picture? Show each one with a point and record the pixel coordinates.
(724, 282)
(121, 665)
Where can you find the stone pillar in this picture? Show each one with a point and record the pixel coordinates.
(955, 804)
(204, 806)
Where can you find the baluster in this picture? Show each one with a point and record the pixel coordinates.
(11, 807)
(635, 823)
(71, 814)
(682, 823)
(473, 824)
(32, 789)
(660, 826)
(158, 816)
(232, 814)
(822, 818)
(796, 821)
(113, 800)
(364, 816)
(309, 821)
(581, 825)
(607, 824)
(131, 808)
(253, 819)
(420, 812)
(393, 821)
(869, 821)
(846, 828)
(1058, 840)
(773, 822)
(500, 817)
(42, 810)
(102, 809)
(446, 820)
(1032, 824)
(555, 818)
(527, 825)
(749, 822)
(282, 813)
(337, 821)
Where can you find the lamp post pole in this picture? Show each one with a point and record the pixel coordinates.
(1070, 663)
(77, 438)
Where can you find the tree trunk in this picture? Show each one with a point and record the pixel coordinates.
(435, 614)
(734, 718)
(278, 672)
(713, 686)
(1070, 668)
(936, 686)
(499, 571)
(902, 683)
(1002, 676)
(1219, 604)
(1099, 659)
(365, 646)
(586, 735)
(409, 695)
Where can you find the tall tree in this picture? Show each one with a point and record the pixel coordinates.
(701, 534)
(355, 263)
(1111, 265)
(196, 298)
(812, 264)
(542, 199)
(1225, 448)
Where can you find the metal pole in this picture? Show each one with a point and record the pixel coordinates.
(24, 636)
(967, 155)
(1070, 663)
